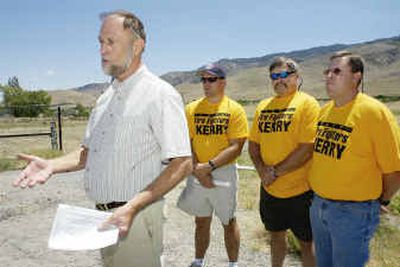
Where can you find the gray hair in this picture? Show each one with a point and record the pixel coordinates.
(130, 22)
(284, 61)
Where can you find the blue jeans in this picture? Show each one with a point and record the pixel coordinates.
(342, 231)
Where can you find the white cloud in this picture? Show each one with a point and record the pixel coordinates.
(50, 72)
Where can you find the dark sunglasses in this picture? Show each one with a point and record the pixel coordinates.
(282, 75)
(209, 79)
(335, 71)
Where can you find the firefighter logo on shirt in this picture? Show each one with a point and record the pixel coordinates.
(275, 120)
(332, 139)
(211, 124)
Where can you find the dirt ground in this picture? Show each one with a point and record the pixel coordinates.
(26, 217)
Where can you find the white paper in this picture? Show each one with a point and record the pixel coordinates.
(217, 183)
(76, 228)
(246, 168)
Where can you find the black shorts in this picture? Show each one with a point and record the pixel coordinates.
(280, 214)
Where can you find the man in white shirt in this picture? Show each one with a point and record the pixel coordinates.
(138, 125)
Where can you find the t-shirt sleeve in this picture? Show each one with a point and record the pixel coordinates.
(309, 118)
(238, 126)
(254, 132)
(170, 126)
(386, 142)
(190, 122)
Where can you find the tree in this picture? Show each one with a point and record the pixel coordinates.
(23, 103)
(13, 82)
(82, 111)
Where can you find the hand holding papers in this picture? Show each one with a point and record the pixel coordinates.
(76, 228)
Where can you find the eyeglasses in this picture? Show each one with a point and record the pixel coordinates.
(282, 75)
(209, 79)
(335, 71)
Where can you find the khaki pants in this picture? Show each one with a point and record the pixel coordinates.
(143, 245)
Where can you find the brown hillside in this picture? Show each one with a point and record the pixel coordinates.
(248, 80)
(72, 96)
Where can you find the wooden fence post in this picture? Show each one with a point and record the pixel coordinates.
(59, 128)
(53, 135)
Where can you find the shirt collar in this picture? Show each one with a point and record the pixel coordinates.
(131, 80)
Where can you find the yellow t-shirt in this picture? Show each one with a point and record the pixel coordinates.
(279, 125)
(211, 126)
(355, 145)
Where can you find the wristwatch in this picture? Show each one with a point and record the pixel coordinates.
(384, 202)
(273, 172)
(212, 165)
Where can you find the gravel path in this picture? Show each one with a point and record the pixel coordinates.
(26, 218)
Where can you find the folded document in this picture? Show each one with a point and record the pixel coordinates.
(76, 228)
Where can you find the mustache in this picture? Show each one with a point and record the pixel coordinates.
(281, 84)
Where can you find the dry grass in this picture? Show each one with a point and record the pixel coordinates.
(385, 245)
(9, 147)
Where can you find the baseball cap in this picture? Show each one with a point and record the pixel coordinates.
(212, 69)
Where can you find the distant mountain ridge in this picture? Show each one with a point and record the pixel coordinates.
(234, 65)
(85, 95)
(247, 77)
(93, 87)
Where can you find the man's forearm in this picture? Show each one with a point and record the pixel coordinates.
(294, 160)
(230, 153)
(174, 173)
(255, 155)
(73, 161)
(391, 184)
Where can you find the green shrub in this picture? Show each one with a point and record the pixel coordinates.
(395, 204)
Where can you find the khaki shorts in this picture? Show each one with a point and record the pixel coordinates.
(143, 245)
(199, 201)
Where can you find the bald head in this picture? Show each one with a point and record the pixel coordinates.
(121, 49)
(129, 22)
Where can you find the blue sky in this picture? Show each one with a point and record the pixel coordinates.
(52, 44)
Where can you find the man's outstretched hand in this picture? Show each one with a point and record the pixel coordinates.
(38, 171)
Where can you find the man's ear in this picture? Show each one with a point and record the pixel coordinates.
(357, 77)
(224, 82)
(138, 46)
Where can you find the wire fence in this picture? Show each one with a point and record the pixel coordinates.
(51, 116)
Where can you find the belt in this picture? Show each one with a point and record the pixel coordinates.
(347, 201)
(110, 205)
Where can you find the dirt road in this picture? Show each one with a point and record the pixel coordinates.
(26, 217)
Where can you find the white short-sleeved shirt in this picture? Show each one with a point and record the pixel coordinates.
(136, 125)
